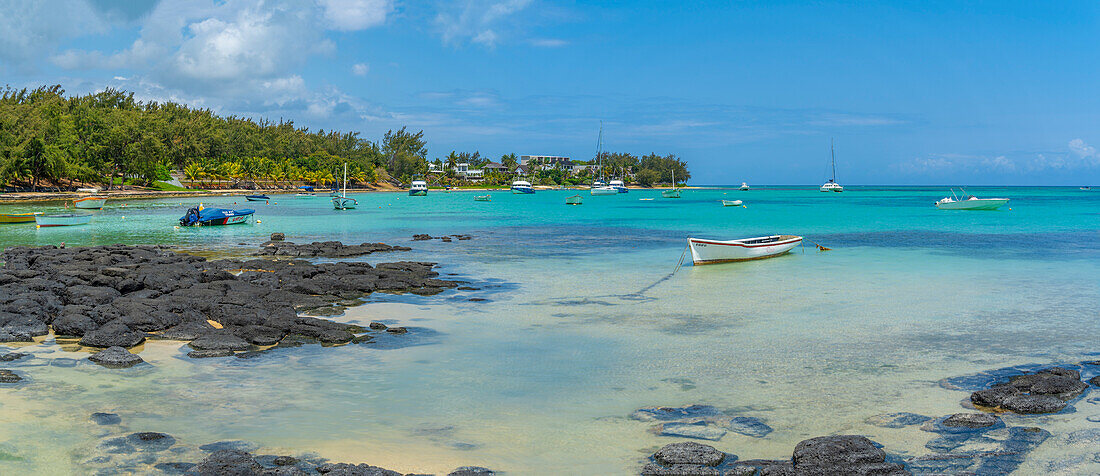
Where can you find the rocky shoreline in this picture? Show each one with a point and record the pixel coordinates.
(975, 442)
(119, 295)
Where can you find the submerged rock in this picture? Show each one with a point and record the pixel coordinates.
(471, 471)
(106, 418)
(1045, 391)
(749, 426)
(326, 249)
(228, 463)
(970, 420)
(238, 445)
(7, 376)
(699, 430)
(206, 354)
(12, 356)
(115, 358)
(689, 453)
(897, 420)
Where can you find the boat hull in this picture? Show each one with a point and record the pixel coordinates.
(604, 191)
(712, 251)
(18, 217)
(344, 203)
(831, 187)
(89, 203)
(731, 203)
(522, 190)
(976, 204)
(257, 198)
(233, 220)
(68, 219)
(671, 193)
(483, 198)
(418, 193)
(574, 200)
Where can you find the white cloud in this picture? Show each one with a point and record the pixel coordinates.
(478, 21)
(360, 69)
(549, 42)
(351, 15)
(1082, 149)
(1079, 156)
(30, 30)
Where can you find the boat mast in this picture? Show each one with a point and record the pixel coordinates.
(599, 151)
(344, 193)
(832, 153)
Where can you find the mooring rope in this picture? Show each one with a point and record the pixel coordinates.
(642, 291)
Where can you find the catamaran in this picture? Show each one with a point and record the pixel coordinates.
(831, 185)
(713, 251)
(419, 188)
(970, 202)
(342, 202)
(744, 186)
(619, 185)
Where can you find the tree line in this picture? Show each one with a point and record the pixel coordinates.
(48, 139)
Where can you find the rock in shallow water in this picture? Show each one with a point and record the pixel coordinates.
(842, 454)
(115, 358)
(897, 420)
(228, 463)
(698, 430)
(689, 453)
(7, 376)
(749, 426)
(970, 420)
(106, 418)
(1046, 391)
(206, 354)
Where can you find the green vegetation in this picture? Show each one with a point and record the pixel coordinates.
(48, 140)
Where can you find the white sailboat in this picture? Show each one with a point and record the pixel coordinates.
(969, 202)
(672, 192)
(599, 187)
(831, 185)
(342, 202)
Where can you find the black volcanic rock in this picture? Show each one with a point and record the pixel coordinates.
(116, 358)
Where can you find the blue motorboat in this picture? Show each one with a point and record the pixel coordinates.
(200, 216)
(522, 186)
(619, 185)
(257, 198)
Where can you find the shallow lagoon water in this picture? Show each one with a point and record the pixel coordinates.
(540, 378)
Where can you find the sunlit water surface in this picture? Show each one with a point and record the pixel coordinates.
(573, 336)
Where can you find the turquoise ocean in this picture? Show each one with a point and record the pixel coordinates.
(578, 320)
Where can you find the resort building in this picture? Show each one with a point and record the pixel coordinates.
(546, 162)
(495, 167)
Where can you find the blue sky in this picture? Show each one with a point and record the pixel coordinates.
(960, 93)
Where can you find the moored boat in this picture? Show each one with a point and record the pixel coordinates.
(18, 217)
(619, 185)
(744, 186)
(419, 188)
(731, 203)
(90, 203)
(714, 251)
(257, 198)
(341, 201)
(574, 200)
(305, 195)
(202, 216)
(970, 202)
(831, 185)
(483, 198)
(605, 190)
(522, 186)
(672, 192)
(63, 219)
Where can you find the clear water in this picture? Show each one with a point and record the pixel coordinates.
(540, 378)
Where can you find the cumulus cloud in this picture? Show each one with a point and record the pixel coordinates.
(548, 42)
(1079, 156)
(477, 21)
(360, 69)
(351, 15)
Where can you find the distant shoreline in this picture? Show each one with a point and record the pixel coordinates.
(35, 197)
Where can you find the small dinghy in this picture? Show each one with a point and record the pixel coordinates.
(969, 203)
(18, 217)
(257, 198)
(305, 195)
(712, 251)
(575, 200)
(200, 216)
(90, 203)
(63, 219)
(482, 198)
(731, 203)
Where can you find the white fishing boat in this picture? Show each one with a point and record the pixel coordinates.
(63, 219)
(90, 203)
(831, 185)
(714, 251)
(744, 186)
(305, 195)
(419, 188)
(342, 202)
(522, 187)
(731, 203)
(969, 202)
